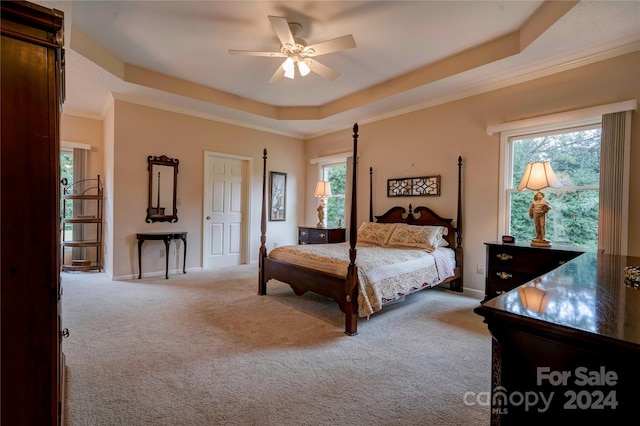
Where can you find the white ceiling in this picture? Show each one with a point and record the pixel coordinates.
(189, 40)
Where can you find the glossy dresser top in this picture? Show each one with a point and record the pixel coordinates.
(587, 294)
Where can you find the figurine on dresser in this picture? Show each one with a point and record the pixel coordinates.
(537, 211)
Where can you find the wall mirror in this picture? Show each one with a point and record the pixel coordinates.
(163, 179)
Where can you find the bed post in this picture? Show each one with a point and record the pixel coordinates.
(370, 194)
(457, 285)
(262, 284)
(351, 284)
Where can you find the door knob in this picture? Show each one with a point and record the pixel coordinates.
(208, 217)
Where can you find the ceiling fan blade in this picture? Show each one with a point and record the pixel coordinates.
(333, 45)
(322, 69)
(278, 75)
(252, 53)
(281, 28)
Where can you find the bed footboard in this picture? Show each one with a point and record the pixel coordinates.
(343, 290)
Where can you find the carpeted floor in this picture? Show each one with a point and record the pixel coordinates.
(205, 349)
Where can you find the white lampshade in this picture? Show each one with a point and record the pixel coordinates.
(323, 189)
(538, 175)
(289, 68)
(303, 68)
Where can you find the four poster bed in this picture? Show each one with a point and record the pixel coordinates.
(399, 253)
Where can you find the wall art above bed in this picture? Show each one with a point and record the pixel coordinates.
(413, 186)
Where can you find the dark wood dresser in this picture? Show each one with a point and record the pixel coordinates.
(509, 265)
(308, 235)
(566, 346)
(32, 81)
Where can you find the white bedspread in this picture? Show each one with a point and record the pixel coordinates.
(385, 274)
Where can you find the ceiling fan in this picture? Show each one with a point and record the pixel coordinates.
(298, 53)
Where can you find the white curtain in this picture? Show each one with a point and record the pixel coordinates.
(347, 196)
(614, 191)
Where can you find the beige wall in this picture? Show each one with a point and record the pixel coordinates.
(141, 131)
(109, 167)
(428, 142)
(424, 142)
(87, 131)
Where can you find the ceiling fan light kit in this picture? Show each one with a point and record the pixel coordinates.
(289, 67)
(298, 53)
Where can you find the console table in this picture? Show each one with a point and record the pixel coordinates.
(166, 237)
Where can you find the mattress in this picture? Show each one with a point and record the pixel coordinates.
(385, 274)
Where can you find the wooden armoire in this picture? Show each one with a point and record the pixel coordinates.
(32, 86)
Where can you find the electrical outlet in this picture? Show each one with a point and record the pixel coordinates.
(275, 245)
(480, 269)
(162, 253)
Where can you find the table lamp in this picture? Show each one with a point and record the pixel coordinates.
(537, 176)
(323, 189)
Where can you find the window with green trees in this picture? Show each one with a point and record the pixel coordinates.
(336, 174)
(574, 155)
(66, 178)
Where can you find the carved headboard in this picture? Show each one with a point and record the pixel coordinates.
(420, 216)
(424, 215)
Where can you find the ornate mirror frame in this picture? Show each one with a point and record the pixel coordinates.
(163, 182)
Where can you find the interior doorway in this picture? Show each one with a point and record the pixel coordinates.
(226, 223)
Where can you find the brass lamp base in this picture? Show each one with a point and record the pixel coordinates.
(540, 243)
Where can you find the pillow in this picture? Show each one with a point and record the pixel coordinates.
(375, 233)
(425, 237)
(443, 242)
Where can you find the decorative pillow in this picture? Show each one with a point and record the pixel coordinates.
(424, 237)
(375, 233)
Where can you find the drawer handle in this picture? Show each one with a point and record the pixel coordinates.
(322, 235)
(504, 275)
(64, 333)
(303, 233)
(504, 256)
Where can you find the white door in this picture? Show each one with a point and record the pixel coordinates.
(224, 205)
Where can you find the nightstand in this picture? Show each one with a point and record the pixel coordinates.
(509, 265)
(308, 235)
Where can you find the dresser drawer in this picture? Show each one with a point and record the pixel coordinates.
(510, 265)
(532, 260)
(318, 236)
(303, 236)
(503, 275)
(307, 235)
(506, 279)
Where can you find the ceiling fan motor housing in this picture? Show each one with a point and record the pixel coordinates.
(295, 28)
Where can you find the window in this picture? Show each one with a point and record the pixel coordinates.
(73, 167)
(336, 175)
(571, 141)
(574, 154)
(66, 178)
